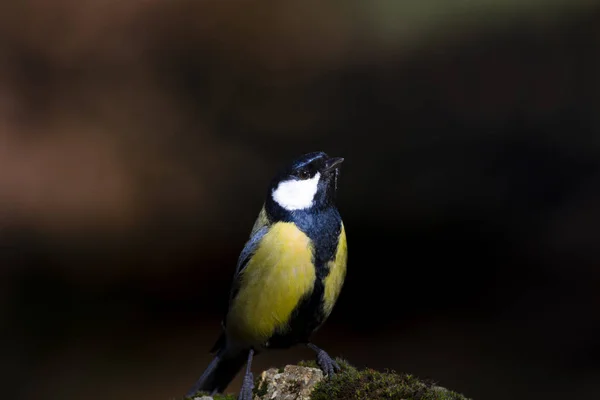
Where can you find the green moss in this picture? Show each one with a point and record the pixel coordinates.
(260, 388)
(225, 397)
(368, 384)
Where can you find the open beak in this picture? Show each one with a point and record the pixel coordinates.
(333, 163)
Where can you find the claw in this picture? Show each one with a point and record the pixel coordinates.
(326, 363)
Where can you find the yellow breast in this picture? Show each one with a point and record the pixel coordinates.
(272, 284)
(337, 273)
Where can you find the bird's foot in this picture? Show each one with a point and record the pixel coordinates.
(247, 386)
(326, 363)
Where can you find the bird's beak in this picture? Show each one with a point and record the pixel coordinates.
(332, 163)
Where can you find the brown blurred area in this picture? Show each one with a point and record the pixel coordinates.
(137, 139)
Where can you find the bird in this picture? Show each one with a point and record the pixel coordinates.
(288, 276)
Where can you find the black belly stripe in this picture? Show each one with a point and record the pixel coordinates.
(323, 229)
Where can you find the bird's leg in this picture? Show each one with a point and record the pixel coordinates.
(325, 362)
(248, 384)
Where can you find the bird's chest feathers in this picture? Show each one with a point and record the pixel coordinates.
(336, 273)
(277, 277)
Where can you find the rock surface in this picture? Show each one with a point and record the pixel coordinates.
(293, 383)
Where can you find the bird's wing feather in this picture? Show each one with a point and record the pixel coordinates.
(260, 228)
(249, 249)
(245, 255)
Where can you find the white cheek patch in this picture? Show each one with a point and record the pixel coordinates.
(296, 194)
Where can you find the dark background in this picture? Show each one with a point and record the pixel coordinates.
(137, 139)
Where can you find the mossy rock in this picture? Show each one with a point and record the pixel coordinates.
(369, 384)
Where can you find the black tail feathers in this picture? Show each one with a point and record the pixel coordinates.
(220, 372)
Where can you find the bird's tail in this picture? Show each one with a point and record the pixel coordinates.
(221, 371)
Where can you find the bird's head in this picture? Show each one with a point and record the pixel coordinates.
(308, 182)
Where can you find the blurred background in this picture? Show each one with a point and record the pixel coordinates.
(137, 139)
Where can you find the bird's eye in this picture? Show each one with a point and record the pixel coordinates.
(303, 174)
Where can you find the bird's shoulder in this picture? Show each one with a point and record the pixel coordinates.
(259, 230)
(261, 221)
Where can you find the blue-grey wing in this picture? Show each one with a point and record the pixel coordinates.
(249, 249)
(260, 228)
(247, 252)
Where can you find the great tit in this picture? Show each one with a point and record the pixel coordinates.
(288, 276)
